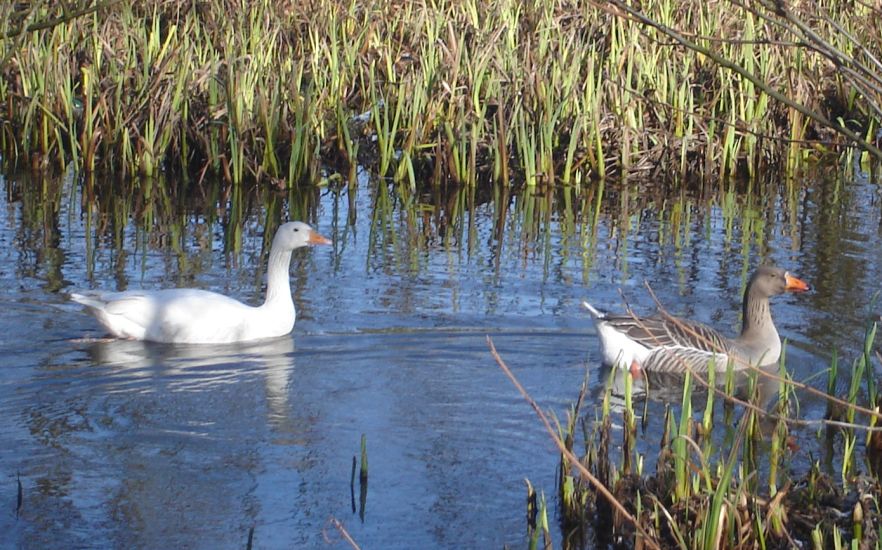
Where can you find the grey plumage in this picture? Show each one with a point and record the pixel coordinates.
(663, 343)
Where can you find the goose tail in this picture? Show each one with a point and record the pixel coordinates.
(87, 300)
(596, 313)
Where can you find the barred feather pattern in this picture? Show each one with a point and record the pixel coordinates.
(662, 343)
(679, 360)
(658, 331)
(675, 345)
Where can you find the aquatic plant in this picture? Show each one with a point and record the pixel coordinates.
(544, 93)
(706, 493)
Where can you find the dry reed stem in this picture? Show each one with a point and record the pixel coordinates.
(343, 532)
(648, 540)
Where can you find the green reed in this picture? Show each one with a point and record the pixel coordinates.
(347, 146)
(539, 526)
(629, 427)
(363, 469)
(705, 494)
(536, 93)
(680, 447)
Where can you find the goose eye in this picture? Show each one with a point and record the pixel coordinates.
(296, 229)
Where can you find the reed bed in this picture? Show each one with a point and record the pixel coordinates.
(468, 91)
(728, 471)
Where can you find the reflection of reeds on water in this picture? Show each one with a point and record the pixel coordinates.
(19, 495)
(362, 480)
(578, 218)
(134, 217)
(199, 368)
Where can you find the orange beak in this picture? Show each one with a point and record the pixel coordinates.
(315, 238)
(794, 284)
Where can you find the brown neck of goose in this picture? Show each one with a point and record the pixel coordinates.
(757, 315)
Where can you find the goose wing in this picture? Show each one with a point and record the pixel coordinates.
(669, 332)
(677, 345)
(171, 315)
(132, 308)
(679, 360)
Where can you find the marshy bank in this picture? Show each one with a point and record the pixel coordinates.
(580, 150)
(738, 464)
(548, 92)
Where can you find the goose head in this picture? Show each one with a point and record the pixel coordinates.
(293, 235)
(770, 281)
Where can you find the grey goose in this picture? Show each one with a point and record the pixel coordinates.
(663, 343)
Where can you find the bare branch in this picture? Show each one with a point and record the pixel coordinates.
(648, 539)
(68, 14)
(758, 82)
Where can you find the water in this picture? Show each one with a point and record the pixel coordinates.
(124, 444)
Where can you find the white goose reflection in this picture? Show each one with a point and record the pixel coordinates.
(149, 366)
(196, 436)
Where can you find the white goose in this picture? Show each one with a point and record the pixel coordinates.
(662, 343)
(192, 316)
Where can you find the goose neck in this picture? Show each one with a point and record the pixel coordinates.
(278, 283)
(757, 317)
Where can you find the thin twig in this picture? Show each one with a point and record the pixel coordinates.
(65, 18)
(573, 459)
(739, 128)
(860, 76)
(758, 82)
(343, 532)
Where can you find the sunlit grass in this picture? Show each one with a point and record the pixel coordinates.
(539, 93)
(707, 490)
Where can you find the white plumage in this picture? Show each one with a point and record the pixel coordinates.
(192, 316)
